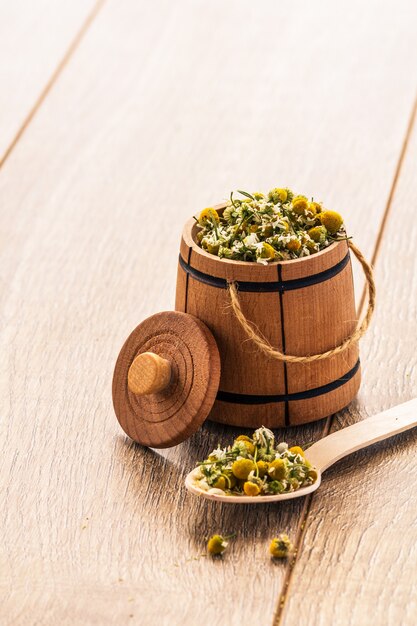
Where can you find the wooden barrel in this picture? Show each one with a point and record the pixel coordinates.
(302, 307)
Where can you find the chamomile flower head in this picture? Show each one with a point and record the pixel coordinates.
(241, 468)
(217, 544)
(297, 450)
(243, 438)
(213, 247)
(293, 244)
(277, 469)
(278, 195)
(280, 547)
(228, 213)
(251, 241)
(265, 251)
(264, 437)
(316, 207)
(208, 215)
(251, 489)
(299, 205)
(220, 482)
(332, 221)
(241, 448)
(262, 468)
(318, 234)
(218, 454)
(245, 444)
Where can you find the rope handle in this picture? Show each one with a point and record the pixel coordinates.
(266, 347)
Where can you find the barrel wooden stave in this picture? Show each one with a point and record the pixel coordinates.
(325, 316)
(312, 409)
(248, 416)
(243, 365)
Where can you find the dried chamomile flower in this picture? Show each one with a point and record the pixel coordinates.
(312, 473)
(332, 221)
(228, 213)
(278, 195)
(318, 234)
(251, 488)
(208, 215)
(297, 450)
(315, 207)
(265, 251)
(249, 447)
(243, 438)
(293, 245)
(217, 544)
(262, 468)
(220, 483)
(242, 468)
(240, 448)
(281, 546)
(274, 487)
(213, 248)
(264, 437)
(311, 210)
(277, 469)
(299, 205)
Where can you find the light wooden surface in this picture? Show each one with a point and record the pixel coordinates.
(35, 42)
(160, 109)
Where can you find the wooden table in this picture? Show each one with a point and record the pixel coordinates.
(119, 120)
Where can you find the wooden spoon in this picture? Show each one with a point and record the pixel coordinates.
(329, 450)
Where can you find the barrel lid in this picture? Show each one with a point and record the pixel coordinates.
(166, 379)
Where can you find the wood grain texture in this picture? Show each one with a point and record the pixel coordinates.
(369, 500)
(34, 39)
(147, 125)
(302, 320)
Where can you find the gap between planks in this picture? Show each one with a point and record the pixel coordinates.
(280, 606)
(52, 80)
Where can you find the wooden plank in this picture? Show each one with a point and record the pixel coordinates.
(34, 40)
(359, 550)
(162, 116)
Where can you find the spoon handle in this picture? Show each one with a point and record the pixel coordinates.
(330, 449)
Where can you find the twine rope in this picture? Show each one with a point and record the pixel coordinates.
(273, 353)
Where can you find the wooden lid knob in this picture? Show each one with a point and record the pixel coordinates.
(149, 373)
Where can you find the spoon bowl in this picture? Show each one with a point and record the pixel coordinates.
(325, 452)
(218, 496)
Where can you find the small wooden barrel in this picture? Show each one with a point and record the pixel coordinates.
(302, 307)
